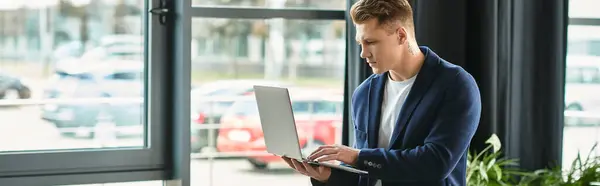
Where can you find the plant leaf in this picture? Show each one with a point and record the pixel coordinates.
(498, 171)
(491, 163)
(482, 171)
(495, 142)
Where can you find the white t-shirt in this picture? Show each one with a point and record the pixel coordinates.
(393, 98)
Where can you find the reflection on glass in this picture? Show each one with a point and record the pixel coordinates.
(317, 4)
(229, 56)
(71, 74)
(582, 102)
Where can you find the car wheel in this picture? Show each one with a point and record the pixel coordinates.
(104, 128)
(11, 94)
(258, 165)
(25, 93)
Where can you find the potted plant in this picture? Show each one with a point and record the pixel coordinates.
(583, 172)
(488, 168)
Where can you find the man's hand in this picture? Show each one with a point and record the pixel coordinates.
(319, 173)
(341, 153)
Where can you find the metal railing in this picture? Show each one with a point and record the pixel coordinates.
(212, 144)
(581, 118)
(107, 130)
(35, 101)
(213, 154)
(582, 114)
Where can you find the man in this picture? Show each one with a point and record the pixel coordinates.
(413, 118)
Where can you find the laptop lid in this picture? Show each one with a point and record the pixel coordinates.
(279, 126)
(277, 121)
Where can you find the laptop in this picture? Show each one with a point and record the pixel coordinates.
(279, 126)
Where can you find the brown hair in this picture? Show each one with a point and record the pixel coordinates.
(387, 12)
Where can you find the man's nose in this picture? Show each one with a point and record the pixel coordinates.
(364, 54)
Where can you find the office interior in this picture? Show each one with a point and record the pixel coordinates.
(159, 92)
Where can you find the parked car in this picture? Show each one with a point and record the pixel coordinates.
(125, 53)
(12, 87)
(318, 117)
(233, 87)
(211, 100)
(109, 46)
(114, 79)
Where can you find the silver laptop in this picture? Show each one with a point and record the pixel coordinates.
(279, 126)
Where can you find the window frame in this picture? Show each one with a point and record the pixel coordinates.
(266, 13)
(352, 70)
(167, 97)
(85, 166)
(576, 21)
(584, 21)
(355, 71)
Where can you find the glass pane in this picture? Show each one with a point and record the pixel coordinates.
(583, 41)
(71, 74)
(584, 8)
(316, 4)
(582, 114)
(229, 56)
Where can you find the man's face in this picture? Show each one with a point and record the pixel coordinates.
(382, 46)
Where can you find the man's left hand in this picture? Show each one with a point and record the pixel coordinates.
(341, 153)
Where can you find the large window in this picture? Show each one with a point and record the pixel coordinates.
(582, 103)
(95, 91)
(78, 79)
(234, 48)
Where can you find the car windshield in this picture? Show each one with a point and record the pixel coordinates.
(126, 76)
(131, 52)
(124, 55)
(300, 107)
(244, 108)
(326, 107)
(61, 75)
(228, 92)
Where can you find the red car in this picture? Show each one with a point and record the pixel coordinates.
(211, 100)
(316, 114)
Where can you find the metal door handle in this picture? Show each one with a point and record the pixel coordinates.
(162, 11)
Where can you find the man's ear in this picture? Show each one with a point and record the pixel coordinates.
(401, 35)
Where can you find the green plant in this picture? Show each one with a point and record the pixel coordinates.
(581, 173)
(489, 168)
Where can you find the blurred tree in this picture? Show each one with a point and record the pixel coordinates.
(122, 10)
(228, 32)
(232, 32)
(68, 9)
(13, 22)
(340, 28)
(2, 28)
(13, 26)
(260, 29)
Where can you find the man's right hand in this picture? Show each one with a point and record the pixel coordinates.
(320, 173)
